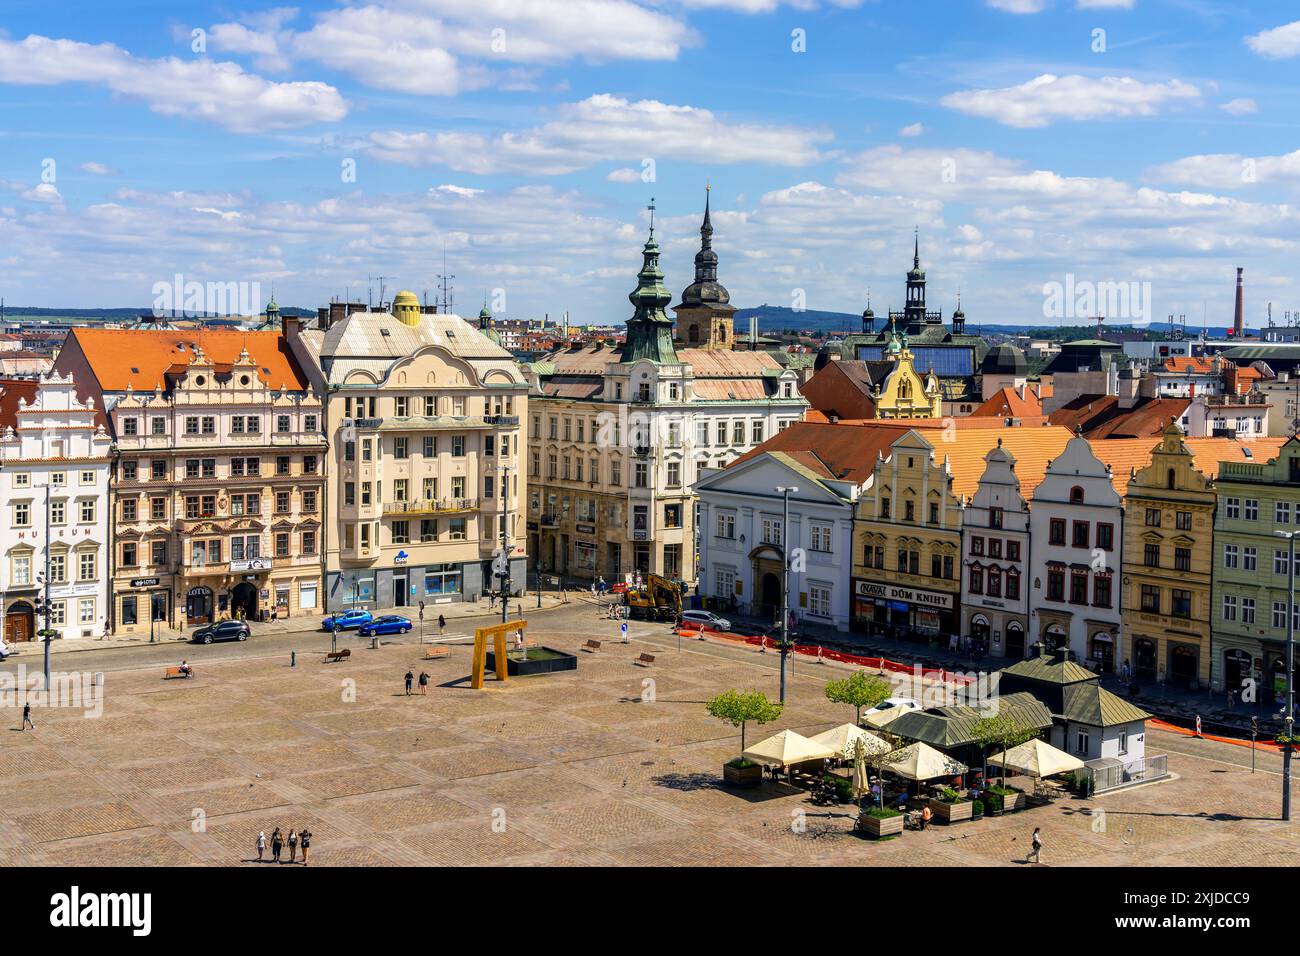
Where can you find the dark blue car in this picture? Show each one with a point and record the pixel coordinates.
(349, 620)
(385, 624)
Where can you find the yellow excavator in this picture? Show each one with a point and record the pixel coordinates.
(659, 599)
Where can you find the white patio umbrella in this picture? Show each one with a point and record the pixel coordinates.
(1037, 759)
(920, 761)
(844, 739)
(860, 779)
(787, 748)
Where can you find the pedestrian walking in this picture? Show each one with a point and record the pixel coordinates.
(424, 684)
(27, 716)
(293, 845)
(277, 844)
(261, 844)
(442, 625)
(305, 838)
(410, 678)
(1035, 847)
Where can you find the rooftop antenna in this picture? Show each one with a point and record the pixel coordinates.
(444, 281)
(381, 290)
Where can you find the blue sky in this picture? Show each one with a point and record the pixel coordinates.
(1024, 144)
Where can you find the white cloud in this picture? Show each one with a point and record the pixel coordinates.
(220, 93)
(1018, 6)
(1279, 43)
(1240, 106)
(44, 193)
(441, 47)
(915, 129)
(465, 191)
(624, 175)
(1229, 170)
(97, 169)
(1104, 4)
(600, 128)
(1047, 98)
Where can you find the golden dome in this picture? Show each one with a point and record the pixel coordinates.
(406, 308)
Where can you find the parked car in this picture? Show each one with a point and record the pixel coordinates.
(5, 650)
(222, 631)
(349, 620)
(385, 624)
(707, 619)
(901, 704)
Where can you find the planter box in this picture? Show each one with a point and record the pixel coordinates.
(538, 660)
(750, 776)
(1013, 802)
(952, 812)
(876, 827)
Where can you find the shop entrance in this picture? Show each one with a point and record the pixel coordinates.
(1236, 668)
(1144, 659)
(243, 601)
(198, 605)
(1015, 642)
(770, 596)
(1183, 664)
(20, 622)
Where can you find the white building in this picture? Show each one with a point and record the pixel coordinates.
(995, 555)
(54, 467)
(1076, 527)
(743, 533)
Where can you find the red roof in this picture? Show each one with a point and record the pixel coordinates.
(12, 390)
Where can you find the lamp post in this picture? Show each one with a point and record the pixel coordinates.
(504, 573)
(1288, 716)
(785, 491)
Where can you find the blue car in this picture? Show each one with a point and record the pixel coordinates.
(347, 621)
(385, 624)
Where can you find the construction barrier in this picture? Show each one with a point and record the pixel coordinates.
(1157, 724)
(692, 630)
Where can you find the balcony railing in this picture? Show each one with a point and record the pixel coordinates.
(431, 506)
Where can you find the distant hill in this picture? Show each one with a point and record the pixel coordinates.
(15, 313)
(775, 318)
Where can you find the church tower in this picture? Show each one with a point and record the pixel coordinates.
(706, 317)
(650, 331)
(914, 311)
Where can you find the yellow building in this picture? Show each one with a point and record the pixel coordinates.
(907, 543)
(904, 394)
(1167, 559)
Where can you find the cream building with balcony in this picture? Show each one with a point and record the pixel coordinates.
(54, 464)
(218, 475)
(619, 433)
(423, 415)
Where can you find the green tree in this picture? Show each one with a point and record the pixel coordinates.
(858, 690)
(738, 707)
(1001, 732)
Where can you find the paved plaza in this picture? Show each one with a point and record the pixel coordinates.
(568, 769)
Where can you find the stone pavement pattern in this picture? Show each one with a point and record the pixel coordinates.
(569, 769)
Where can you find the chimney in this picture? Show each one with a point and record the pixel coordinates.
(292, 325)
(1238, 316)
(323, 317)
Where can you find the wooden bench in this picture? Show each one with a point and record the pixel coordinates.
(590, 647)
(342, 655)
(178, 672)
(645, 660)
(436, 653)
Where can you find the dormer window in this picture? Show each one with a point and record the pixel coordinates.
(1076, 495)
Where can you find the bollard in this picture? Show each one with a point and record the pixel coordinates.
(293, 658)
(374, 642)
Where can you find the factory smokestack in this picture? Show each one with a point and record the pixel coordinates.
(1238, 315)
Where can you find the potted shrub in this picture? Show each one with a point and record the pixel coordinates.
(977, 810)
(880, 821)
(858, 690)
(1004, 799)
(738, 708)
(949, 807)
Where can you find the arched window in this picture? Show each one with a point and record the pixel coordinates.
(1169, 479)
(1076, 495)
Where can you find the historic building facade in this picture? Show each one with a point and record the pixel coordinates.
(995, 556)
(1076, 526)
(218, 475)
(618, 434)
(907, 543)
(1251, 561)
(1168, 560)
(54, 466)
(423, 413)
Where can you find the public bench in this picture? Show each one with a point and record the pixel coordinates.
(591, 646)
(645, 660)
(178, 672)
(436, 653)
(342, 655)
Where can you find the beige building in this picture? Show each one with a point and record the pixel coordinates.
(217, 486)
(422, 412)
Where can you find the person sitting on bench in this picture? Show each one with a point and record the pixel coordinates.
(186, 669)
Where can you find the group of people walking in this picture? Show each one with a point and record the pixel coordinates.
(295, 839)
(424, 682)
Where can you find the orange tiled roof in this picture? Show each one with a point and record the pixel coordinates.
(842, 451)
(141, 358)
(1194, 364)
(1084, 412)
(1032, 448)
(1126, 455)
(1150, 417)
(1008, 403)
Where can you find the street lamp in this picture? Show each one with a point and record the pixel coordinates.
(785, 582)
(1288, 717)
